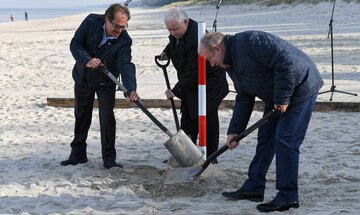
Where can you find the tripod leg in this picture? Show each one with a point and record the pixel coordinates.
(332, 93)
(332, 90)
(353, 94)
(328, 91)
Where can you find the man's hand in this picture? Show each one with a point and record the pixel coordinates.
(281, 108)
(133, 96)
(169, 94)
(163, 56)
(93, 63)
(232, 144)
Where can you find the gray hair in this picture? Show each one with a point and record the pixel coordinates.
(176, 14)
(211, 39)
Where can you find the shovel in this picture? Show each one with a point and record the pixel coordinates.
(179, 145)
(179, 175)
(163, 67)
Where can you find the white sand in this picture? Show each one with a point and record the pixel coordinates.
(36, 63)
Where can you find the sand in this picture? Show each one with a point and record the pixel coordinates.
(36, 63)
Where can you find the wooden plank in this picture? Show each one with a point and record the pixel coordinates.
(163, 103)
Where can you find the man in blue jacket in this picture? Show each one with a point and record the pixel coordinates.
(101, 42)
(265, 66)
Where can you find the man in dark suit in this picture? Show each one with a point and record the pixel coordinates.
(265, 66)
(100, 39)
(183, 52)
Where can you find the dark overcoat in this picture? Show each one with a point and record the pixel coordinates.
(117, 53)
(184, 57)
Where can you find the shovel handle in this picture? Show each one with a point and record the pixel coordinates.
(163, 66)
(177, 124)
(164, 70)
(214, 155)
(137, 102)
(269, 116)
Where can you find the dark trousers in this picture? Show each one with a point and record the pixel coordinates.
(281, 137)
(84, 101)
(191, 127)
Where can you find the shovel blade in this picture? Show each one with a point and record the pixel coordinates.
(182, 175)
(183, 149)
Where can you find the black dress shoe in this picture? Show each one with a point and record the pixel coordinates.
(112, 164)
(241, 194)
(214, 161)
(73, 162)
(277, 206)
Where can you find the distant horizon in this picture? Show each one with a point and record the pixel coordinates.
(65, 4)
(44, 13)
(54, 7)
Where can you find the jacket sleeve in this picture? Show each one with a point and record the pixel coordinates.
(244, 105)
(78, 42)
(190, 77)
(271, 52)
(167, 50)
(125, 67)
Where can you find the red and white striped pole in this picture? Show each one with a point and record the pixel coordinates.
(202, 92)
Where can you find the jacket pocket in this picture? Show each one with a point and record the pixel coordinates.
(96, 75)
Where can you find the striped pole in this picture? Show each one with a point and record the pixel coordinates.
(202, 92)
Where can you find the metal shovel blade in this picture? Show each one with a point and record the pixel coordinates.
(183, 149)
(183, 175)
(180, 175)
(179, 145)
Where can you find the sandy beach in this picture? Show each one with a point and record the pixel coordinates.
(36, 64)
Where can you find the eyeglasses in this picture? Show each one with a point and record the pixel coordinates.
(118, 27)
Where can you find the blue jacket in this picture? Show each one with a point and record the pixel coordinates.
(85, 45)
(265, 66)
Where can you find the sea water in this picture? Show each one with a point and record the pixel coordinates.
(44, 13)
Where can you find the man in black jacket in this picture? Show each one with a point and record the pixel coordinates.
(183, 52)
(265, 66)
(100, 39)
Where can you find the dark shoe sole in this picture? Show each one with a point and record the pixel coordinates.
(72, 162)
(270, 208)
(117, 165)
(253, 199)
(215, 161)
(243, 197)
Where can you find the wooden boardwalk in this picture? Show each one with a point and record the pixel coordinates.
(162, 103)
